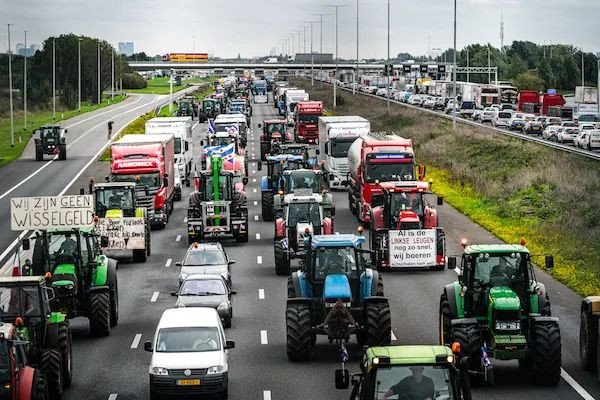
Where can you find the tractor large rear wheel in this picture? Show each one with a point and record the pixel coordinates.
(264, 149)
(546, 359)
(299, 332)
(100, 313)
(62, 152)
(469, 338)
(282, 261)
(51, 364)
(39, 153)
(65, 341)
(114, 304)
(139, 255)
(588, 341)
(39, 389)
(378, 324)
(267, 206)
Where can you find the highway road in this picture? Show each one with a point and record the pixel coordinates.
(116, 367)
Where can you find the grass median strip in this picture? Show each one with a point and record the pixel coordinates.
(510, 187)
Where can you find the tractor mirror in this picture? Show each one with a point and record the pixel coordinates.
(259, 166)
(440, 200)
(331, 177)
(103, 241)
(148, 346)
(317, 151)
(81, 191)
(187, 183)
(174, 294)
(342, 379)
(245, 180)
(451, 262)
(259, 126)
(202, 143)
(166, 180)
(26, 244)
(66, 131)
(549, 262)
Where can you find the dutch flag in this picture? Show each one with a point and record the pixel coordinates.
(226, 152)
(344, 354)
(211, 127)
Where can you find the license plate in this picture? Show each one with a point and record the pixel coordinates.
(189, 382)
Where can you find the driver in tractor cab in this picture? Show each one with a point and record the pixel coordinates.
(335, 263)
(417, 386)
(502, 273)
(68, 246)
(114, 202)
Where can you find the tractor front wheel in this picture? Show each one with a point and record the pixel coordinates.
(114, 304)
(378, 324)
(39, 153)
(62, 153)
(469, 338)
(65, 340)
(546, 359)
(588, 341)
(299, 332)
(139, 255)
(100, 313)
(39, 390)
(51, 364)
(445, 321)
(282, 261)
(267, 206)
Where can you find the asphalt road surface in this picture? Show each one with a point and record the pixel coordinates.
(116, 367)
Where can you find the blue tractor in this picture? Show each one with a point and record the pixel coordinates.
(335, 293)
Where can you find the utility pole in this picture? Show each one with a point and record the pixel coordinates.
(454, 76)
(337, 7)
(357, 78)
(312, 56)
(53, 78)
(582, 68)
(598, 91)
(321, 45)
(10, 91)
(112, 82)
(99, 90)
(171, 90)
(468, 76)
(387, 91)
(490, 64)
(79, 72)
(25, 85)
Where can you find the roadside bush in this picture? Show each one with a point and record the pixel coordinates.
(133, 80)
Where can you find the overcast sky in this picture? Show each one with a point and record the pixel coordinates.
(228, 27)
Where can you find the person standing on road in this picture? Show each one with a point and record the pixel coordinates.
(110, 125)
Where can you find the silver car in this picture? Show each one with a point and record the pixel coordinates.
(205, 258)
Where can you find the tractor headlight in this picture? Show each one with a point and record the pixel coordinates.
(508, 325)
(159, 371)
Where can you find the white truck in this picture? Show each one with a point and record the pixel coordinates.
(181, 129)
(292, 97)
(336, 134)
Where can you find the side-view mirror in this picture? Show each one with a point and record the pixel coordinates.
(342, 379)
(259, 166)
(148, 346)
(229, 344)
(317, 151)
(174, 294)
(66, 131)
(440, 200)
(231, 262)
(233, 292)
(26, 244)
(451, 262)
(259, 126)
(178, 264)
(81, 191)
(549, 262)
(245, 180)
(202, 143)
(187, 183)
(103, 241)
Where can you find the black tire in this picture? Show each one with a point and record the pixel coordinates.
(51, 364)
(62, 153)
(469, 338)
(379, 289)
(39, 391)
(352, 205)
(378, 324)
(242, 238)
(299, 333)
(282, 262)
(291, 293)
(546, 359)
(114, 304)
(39, 153)
(264, 149)
(445, 321)
(100, 313)
(588, 341)
(139, 255)
(267, 205)
(227, 323)
(65, 344)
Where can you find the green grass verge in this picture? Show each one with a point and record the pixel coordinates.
(34, 121)
(161, 85)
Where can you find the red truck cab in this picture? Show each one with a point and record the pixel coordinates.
(147, 160)
(528, 101)
(550, 100)
(307, 115)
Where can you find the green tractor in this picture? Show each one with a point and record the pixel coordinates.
(50, 141)
(408, 372)
(185, 109)
(46, 335)
(497, 309)
(210, 109)
(84, 279)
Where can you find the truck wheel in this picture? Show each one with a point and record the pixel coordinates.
(351, 204)
(39, 390)
(282, 262)
(241, 237)
(299, 333)
(51, 364)
(114, 304)
(39, 153)
(139, 255)
(100, 313)
(65, 341)
(588, 341)
(62, 154)
(267, 206)
(546, 358)
(378, 324)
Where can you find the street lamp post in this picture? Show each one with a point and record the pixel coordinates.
(312, 57)
(468, 77)
(321, 46)
(53, 78)
(10, 90)
(357, 77)
(582, 69)
(387, 91)
(99, 90)
(79, 72)
(112, 74)
(25, 85)
(337, 7)
(454, 76)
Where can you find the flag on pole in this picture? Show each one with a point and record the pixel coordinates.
(485, 360)
(344, 354)
(211, 127)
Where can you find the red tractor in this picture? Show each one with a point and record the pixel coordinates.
(405, 232)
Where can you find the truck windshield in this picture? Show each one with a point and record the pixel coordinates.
(308, 118)
(303, 180)
(339, 147)
(304, 212)
(414, 382)
(114, 199)
(334, 260)
(150, 180)
(177, 145)
(220, 141)
(387, 172)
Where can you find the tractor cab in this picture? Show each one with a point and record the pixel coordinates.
(184, 108)
(18, 379)
(304, 179)
(116, 199)
(50, 141)
(303, 216)
(272, 136)
(49, 134)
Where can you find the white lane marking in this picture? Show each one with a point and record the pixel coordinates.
(259, 259)
(256, 217)
(255, 202)
(253, 155)
(258, 236)
(578, 388)
(105, 112)
(254, 190)
(266, 395)
(253, 180)
(154, 297)
(261, 294)
(136, 341)
(185, 219)
(112, 396)
(195, 125)
(394, 336)
(168, 263)
(34, 173)
(253, 171)
(263, 337)
(178, 238)
(337, 233)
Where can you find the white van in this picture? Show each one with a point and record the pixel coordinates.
(181, 129)
(189, 354)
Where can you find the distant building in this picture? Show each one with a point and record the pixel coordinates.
(598, 54)
(273, 52)
(23, 51)
(126, 48)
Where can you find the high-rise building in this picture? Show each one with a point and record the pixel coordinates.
(125, 48)
(273, 52)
